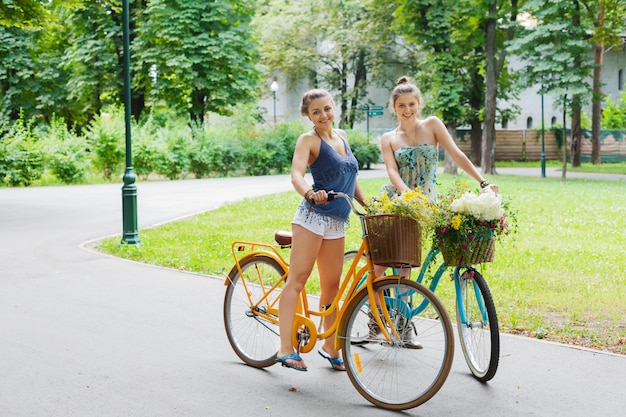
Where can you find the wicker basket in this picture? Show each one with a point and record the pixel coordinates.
(395, 240)
(478, 250)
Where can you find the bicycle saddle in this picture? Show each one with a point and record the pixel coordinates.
(283, 238)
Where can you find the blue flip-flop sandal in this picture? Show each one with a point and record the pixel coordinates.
(334, 362)
(290, 357)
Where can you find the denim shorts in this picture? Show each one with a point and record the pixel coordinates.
(325, 226)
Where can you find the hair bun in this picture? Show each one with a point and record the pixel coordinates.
(403, 80)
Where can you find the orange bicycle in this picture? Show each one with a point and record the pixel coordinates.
(395, 335)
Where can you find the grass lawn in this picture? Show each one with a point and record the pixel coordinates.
(561, 277)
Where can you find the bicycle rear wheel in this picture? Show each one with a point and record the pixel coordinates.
(402, 371)
(477, 324)
(252, 326)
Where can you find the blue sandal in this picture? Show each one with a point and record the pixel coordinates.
(290, 357)
(334, 362)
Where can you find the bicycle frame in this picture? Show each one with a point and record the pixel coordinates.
(457, 284)
(349, 286)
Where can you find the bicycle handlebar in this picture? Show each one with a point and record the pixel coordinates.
(337, 194)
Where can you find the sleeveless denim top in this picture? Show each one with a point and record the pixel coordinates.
(333, 172)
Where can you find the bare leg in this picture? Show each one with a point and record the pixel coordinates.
(330, 265)
(304, 249)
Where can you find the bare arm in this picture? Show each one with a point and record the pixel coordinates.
(299, 164)
(444, 139)
(390, 163)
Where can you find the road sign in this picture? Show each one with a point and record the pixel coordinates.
(375, 113)
(376, 107)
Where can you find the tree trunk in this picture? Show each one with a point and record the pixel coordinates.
(576, 106)
(450, 167)
(577, 132)
(344, 97)
(493, 70)
(476, 136)
(596, 105)
(477, 100)
(360, 80)
(564, 170)
(491, 89)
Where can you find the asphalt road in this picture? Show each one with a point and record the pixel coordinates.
(83, 334)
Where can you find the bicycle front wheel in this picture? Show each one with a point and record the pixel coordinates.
(410, 366)
(250, 310)
(477, 324)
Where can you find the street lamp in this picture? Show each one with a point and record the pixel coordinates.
(129, 190)
(543, 141)
(274, 88)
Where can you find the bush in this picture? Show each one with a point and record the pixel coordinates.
(65, 154)
(365, 152)
(106, 135)
(148, 150)
(21, 155)
(281, 139)
(614, 114)
(174, 162)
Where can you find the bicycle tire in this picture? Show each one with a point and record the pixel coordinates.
(480, 338)
(254, 338)
(349, 256)
(385, 371)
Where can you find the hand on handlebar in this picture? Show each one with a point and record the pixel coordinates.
(325, 197)
(321, 197)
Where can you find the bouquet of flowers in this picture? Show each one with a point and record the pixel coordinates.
(467, 225)
(395, 226)
(411, 203)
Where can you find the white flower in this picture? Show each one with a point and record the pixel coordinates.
(486, 206)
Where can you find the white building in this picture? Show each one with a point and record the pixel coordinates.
(287, 104)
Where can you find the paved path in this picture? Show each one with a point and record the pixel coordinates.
(87, 335)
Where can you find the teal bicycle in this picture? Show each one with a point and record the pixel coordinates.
(476, 318)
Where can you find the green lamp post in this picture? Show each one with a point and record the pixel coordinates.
(129, 190)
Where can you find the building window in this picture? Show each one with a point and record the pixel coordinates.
(529, 123)
(620, 80)
(505, 123)
(553, 121)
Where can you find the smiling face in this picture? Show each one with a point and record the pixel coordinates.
(407, 106)
(321, 112)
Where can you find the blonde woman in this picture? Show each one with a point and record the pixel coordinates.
(318, 229)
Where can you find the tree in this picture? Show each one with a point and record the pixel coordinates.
(451, 64)
(554, 52)
(609, 19)
(93, 57)
(495, 55)
(197, 55)
(24, 14)
(327, 42)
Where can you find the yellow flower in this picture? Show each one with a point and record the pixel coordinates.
(456, 221)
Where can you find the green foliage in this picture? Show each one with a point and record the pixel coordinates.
(21, 155)
(365, 152)
(174, 163)
(91, 57)
(550, 49)
(106, 135)
(614, 114)
(327, 42)
(197, 55)
(147, 148)
(65, 153)
(16, 73)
